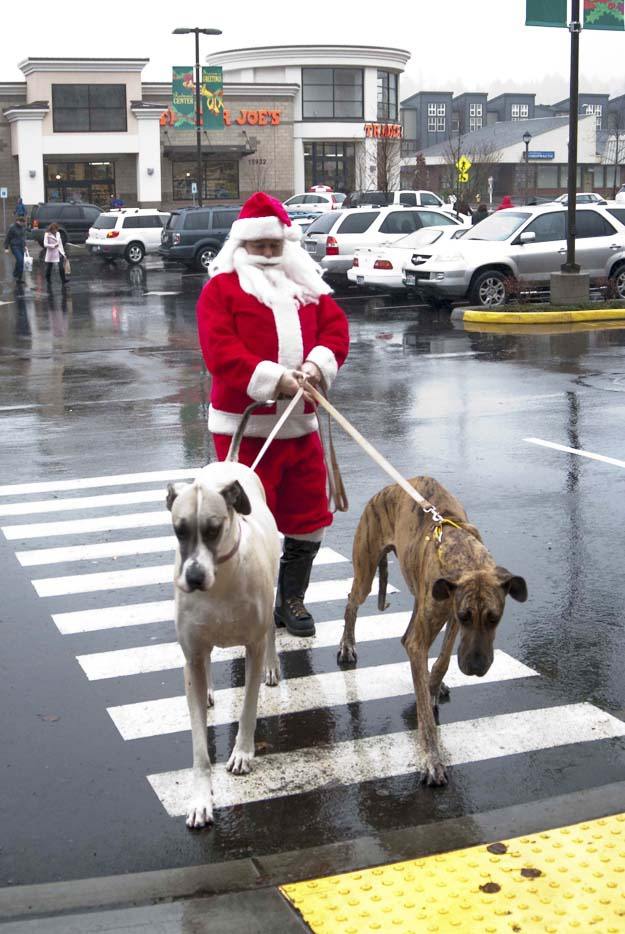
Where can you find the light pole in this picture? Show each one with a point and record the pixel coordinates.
(196, 30)
(526, 139)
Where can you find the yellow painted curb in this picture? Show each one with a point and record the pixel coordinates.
(569, 879)
(549, 329)
(544, 317)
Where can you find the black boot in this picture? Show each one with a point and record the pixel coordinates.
(295, 567)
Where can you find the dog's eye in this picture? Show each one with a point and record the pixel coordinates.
(181, 530)
(465, 617)
(491, 619)
(211, 532)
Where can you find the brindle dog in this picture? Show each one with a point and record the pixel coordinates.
(454, 582)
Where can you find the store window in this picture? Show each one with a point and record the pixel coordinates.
(332, 93)
(89, 108)
(332, 164)
(387, 95)
(476, 117)
(220, 179)
(546, 176)
(92, 182)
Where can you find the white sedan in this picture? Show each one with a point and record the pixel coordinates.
(383, 266)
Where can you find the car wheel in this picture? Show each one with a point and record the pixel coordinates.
(134, 253)
(617, 282)
(204, 258)
(490, 289)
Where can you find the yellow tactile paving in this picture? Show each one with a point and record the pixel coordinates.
(567, 880)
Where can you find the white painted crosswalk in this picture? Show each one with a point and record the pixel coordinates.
(97, 571)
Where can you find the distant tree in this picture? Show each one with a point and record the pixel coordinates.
(421, 179)
(388, 163)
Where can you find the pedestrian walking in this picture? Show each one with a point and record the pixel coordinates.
(20, 208)
(265, 321)
(15, 242)
(464, 209)
(480, 213)
(506, 202)
(55, 253)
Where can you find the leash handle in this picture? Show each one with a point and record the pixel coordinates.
(374, 454)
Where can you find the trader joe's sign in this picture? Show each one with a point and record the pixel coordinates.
(232, 118)
(383, 130)
(183, 98)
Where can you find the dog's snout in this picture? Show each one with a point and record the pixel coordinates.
(195, 575)
(476, 663)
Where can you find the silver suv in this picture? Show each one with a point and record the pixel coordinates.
(524, 245)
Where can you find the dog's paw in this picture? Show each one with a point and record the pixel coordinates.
(240, 761)
(272, 676)
(210, 698)
(443, 691)
(200, 814)
(346, 655)
(434, 774)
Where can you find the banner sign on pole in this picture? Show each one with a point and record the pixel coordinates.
(212, 92)
(183, 97)
(4, 193)
(546, 12)
(604, 14)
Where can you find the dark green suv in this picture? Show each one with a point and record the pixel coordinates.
(73, 217)
(194, 236)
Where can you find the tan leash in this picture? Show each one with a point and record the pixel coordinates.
(276, 428)
(379, 459)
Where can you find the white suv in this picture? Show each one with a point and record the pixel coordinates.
(127, 232)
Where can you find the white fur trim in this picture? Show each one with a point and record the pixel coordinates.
(258, 228)
(290, 344)
(326, 361)
(264, 382)
(259, 426)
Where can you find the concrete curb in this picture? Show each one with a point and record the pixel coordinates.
(538, 317)
(262, 872)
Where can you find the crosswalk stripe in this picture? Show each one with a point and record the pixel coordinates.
(86, 483)
(35, 507)
(131, 520)
(378, 757)
(171, 715)
(136, 546)
(109, 580)
(116, 617)
(121, 663)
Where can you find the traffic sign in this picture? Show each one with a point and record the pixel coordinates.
(194, 188)
(4, 193)
(463, 177)
(463, 164)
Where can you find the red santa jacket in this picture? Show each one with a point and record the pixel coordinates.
(247, 346)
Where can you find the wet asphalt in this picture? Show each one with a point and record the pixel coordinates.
(106, 378)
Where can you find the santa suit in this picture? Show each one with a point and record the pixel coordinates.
(247, 346)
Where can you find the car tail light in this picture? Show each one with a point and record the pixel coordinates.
(111, 234)
(176, 238)
(382, 264)
(355, 263)
(332, 247)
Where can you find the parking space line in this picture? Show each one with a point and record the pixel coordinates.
(614, 461)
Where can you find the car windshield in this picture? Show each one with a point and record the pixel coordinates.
(104, 223)
(420, 237)
(498, 226)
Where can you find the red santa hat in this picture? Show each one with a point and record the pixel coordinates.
(263, 217)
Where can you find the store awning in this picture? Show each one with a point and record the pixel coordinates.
(190, 152)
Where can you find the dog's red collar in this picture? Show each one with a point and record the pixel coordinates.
(223, 558)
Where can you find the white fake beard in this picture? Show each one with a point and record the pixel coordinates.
(287, 278)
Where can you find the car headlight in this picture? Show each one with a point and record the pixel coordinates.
(450, 257)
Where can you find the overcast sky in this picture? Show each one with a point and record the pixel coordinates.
(455, 44)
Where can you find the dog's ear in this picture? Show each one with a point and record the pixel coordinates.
(472, 530)
(236, 497)
(172, 493)
(442, 588)
(514, 586)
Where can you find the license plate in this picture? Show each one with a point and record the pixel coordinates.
(410, 279)
(310, 247)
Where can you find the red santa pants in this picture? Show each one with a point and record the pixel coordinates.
(293, 473)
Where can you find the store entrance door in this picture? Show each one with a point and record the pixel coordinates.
(92, 182)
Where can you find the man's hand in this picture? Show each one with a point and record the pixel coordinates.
(289, 382)
(312, 373)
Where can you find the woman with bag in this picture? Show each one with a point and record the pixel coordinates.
(55, 253)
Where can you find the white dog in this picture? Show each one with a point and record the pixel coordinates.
(226, 566)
